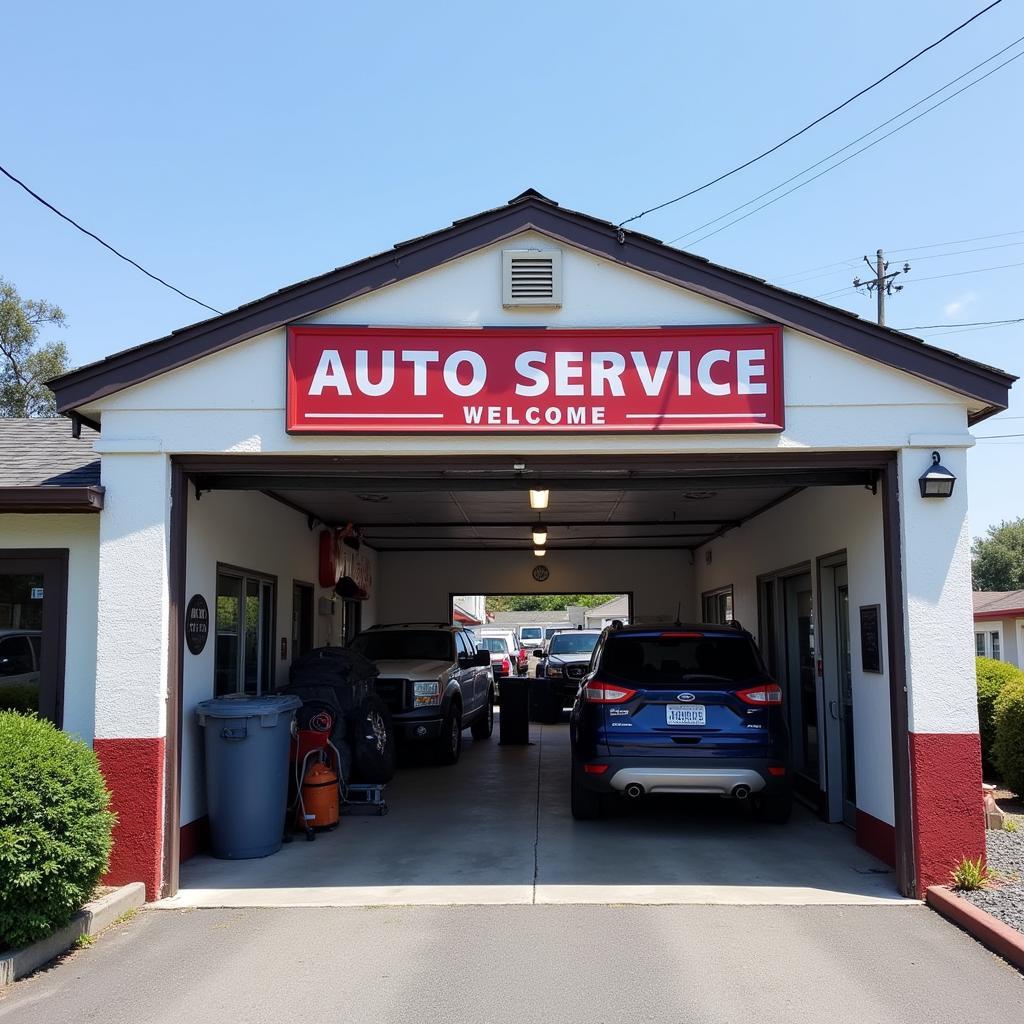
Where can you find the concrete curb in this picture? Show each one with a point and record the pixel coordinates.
(90, 920)
(988, 930)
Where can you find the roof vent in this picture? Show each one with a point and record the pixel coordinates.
(531, 277)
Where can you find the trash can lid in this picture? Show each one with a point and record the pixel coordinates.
(244, 705)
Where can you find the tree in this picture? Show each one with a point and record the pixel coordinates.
(543, 602)
(25, 363)
(998, 557)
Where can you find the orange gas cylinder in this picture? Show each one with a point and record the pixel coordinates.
(319, 797)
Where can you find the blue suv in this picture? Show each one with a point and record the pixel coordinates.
(680, 709)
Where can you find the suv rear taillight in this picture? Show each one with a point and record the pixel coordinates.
(506, 665)
(598, 692)
(762, 696)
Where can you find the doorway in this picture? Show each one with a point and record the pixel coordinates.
(837, 680)
(302, 619)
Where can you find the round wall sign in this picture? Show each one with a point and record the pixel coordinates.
(197, 624)
(541, 573)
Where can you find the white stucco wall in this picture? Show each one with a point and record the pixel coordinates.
(247, 530)
(937, 591)
(659, 580)
(815, 523)
(80, 535)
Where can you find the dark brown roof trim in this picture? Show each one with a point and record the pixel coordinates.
(51, 499)
(639, 252)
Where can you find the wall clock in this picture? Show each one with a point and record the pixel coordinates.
(541, 573)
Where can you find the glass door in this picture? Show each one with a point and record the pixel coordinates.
(802, 694)
(244, 654)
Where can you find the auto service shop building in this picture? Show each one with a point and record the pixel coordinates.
(712, 444)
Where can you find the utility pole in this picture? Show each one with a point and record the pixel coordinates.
(881, 283)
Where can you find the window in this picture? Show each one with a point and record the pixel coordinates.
(718, 606)
(244, 651)
(494, 644)
(989, 644)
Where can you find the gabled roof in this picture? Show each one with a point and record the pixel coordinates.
(998, 604)
(533, 211)
(44, 469)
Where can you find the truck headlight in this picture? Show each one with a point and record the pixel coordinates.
(426, 692)
(555, 671)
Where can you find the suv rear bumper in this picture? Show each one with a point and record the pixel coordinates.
(716, 776)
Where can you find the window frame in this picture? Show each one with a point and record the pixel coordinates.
(708, 596)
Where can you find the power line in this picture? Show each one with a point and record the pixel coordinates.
(933, 277)
(106, 245)
(816, 121)
(856, 152)
(841, 149)
(893, 252)
(969, 323)
(987, 437)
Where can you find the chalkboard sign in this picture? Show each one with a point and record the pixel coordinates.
(871, 637)
(197, 624)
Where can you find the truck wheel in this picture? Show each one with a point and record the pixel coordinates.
(586, 804)
(484, 725)
(449, 743)
(373, 742)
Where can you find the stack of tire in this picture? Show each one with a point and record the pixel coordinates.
(336, 689)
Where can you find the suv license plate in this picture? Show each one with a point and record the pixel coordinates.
(691, 714)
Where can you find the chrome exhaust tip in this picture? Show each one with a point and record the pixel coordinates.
(741, 792)
(634, 790)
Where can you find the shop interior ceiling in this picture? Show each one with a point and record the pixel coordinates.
(593, 506)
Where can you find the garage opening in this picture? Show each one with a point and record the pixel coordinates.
(791, 551)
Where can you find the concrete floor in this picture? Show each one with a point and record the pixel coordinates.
(496, 829)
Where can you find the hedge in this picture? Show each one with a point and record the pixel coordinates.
(992, 677)
(55, 827)
(1009, 745)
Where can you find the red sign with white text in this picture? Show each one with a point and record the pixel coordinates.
(522, 380)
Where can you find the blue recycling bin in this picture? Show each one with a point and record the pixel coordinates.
(246, 742)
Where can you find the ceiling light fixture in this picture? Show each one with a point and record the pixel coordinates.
(540, 535)
(539, 499)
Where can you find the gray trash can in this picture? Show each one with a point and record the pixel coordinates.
(246, 741)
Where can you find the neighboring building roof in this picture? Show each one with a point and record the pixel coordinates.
(43, 468)
(998, 604)
(528, 618)
(533, 211)
(462, 617)
(618, 605)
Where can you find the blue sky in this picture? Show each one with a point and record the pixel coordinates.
(235, 148)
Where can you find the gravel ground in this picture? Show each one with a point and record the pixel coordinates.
(1004, 900)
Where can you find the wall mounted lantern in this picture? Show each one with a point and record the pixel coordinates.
(937, 481)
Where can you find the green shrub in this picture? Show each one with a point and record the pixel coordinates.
(992, 677)
(55, 827)
(1009, 744)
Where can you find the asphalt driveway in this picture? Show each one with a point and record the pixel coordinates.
(587, 964)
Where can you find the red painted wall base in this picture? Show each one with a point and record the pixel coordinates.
(949, 819)
(134, 770)
(194, 838)
(877, 837)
